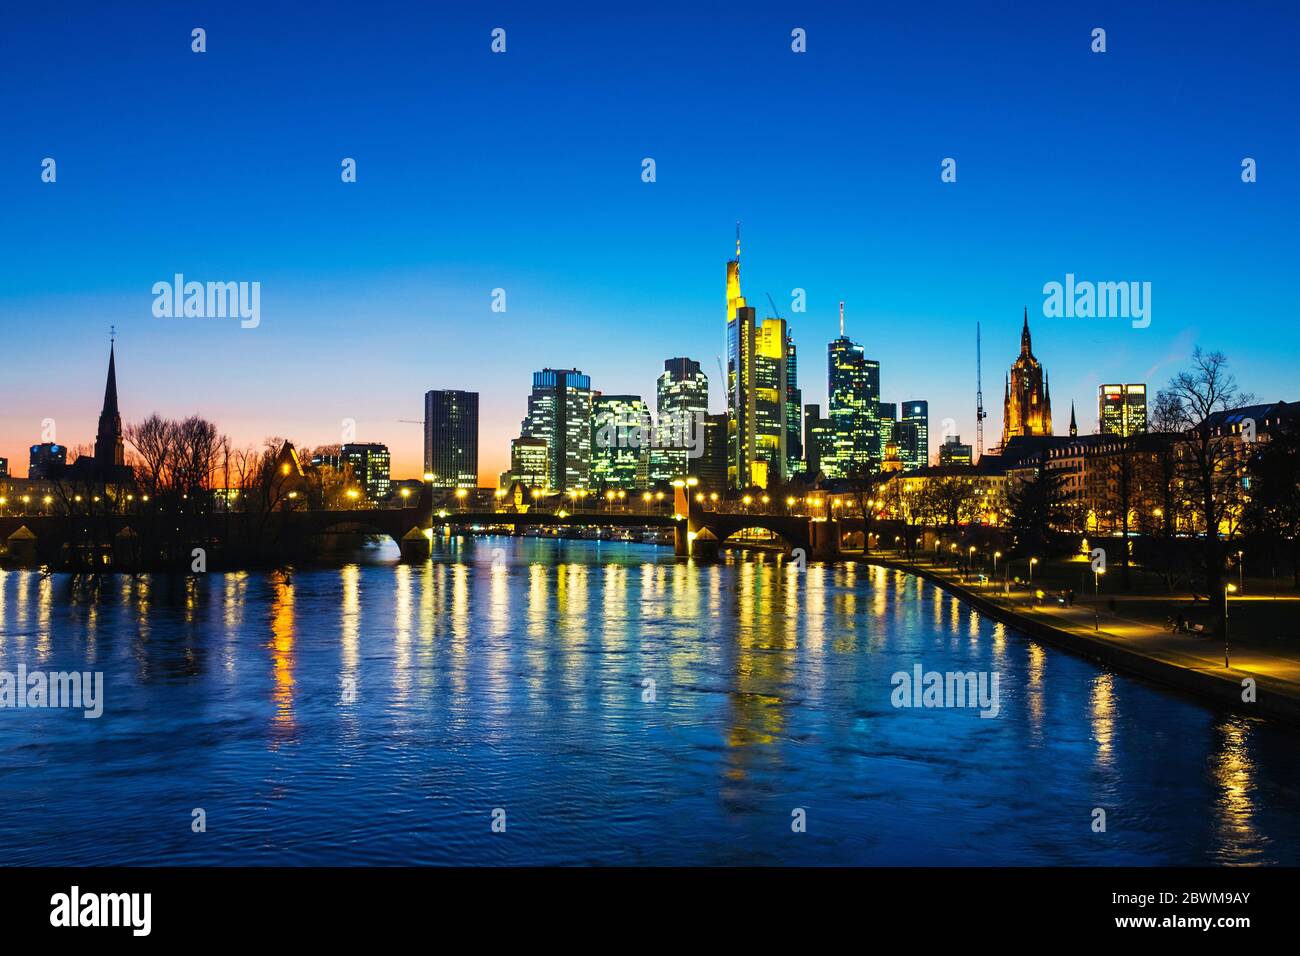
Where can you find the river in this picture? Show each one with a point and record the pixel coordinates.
(600, 703)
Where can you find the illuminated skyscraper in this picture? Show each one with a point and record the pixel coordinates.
(771, 396)
(451, 438)
(740, 379)
(793, 411)
(1121, 409)
(559, 413)
(853, 386)
(914, 434)
(620, 431)
(1027, 402)
(682, 402)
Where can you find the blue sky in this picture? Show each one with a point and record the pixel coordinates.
(522, 171)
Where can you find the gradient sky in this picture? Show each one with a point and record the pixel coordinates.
(522, 171)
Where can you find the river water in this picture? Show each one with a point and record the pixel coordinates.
(602, 703)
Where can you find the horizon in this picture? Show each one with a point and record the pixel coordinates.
(478, 171)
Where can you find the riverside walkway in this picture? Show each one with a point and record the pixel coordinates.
(1191, 662)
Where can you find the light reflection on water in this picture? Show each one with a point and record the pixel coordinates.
(378, 713)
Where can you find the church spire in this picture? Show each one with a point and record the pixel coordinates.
(109, 448)
(1074, 425)
(1024, 336)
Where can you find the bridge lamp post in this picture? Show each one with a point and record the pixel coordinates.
(789, 504)
(746, 500)
(353, 494)
(461, 493)
(26, 499)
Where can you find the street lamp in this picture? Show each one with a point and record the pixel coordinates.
(1226, 591)
(1241, 581)
(996, 555)
(1032, 562)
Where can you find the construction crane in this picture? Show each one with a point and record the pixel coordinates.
(775, 311)
(980, 414)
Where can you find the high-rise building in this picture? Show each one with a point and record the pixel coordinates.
(370, 467)
(711, 467)
(771, 396)
(740, 379)
(47, 460)
(914, 434)
(682, 402)
(4, 467)
(886, 423)
(1027, 401)
(818, 440)
(853, 386)
(559, 413)
(1121, 409)
(953, 452)
(451, 438)
(793, 411)
(620, 433)
(528, 463)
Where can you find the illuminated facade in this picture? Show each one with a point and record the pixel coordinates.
(619, 423)
(682, 404)
(1121, 409)
(794, 461)
(559, 413)
(370, 466)
(853, 386)
(451, 438)
(528, 463)
(818, 440)
(771, 397)
(1027, 401)
(954, 452)
(740, 379)
(913, 434)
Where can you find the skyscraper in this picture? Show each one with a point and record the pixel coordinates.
(1121, 409)
(771, 397)
(853, 387)
(793, 411)
(1027, 401)
(914, 434)
(620, 432)
(46, 460)
(682, 402)
(887, 421)
(740, 379)
(451, 438)
(559, 413)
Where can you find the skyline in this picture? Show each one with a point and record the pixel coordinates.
(518, 176)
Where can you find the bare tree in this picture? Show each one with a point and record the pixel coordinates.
(1208, 457)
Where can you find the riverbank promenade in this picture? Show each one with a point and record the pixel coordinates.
(1128, 631)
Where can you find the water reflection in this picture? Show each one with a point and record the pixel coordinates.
(357, 712)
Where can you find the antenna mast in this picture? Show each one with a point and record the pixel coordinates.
(980, 414)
